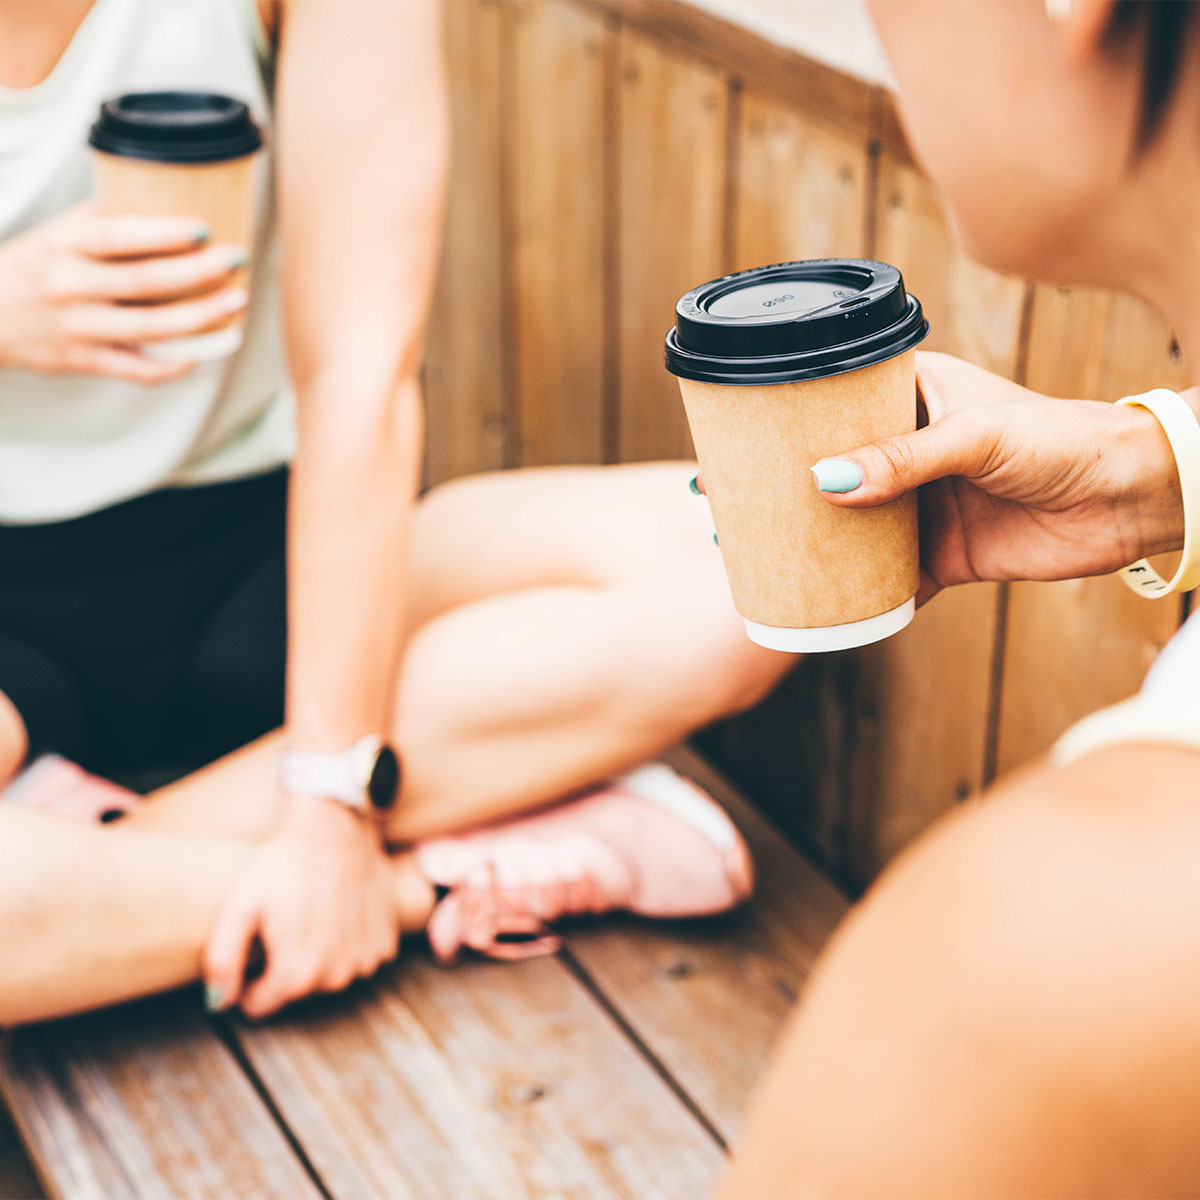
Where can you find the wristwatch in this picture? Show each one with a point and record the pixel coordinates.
(365, 778)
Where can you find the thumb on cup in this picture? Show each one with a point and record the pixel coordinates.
(885, 470)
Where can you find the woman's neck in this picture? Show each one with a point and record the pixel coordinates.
(34, 34)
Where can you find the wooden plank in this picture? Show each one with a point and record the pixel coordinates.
(1073, 647)
(482, 1080)
(17, 1180)
(675, 984)
(857, 753)
(555, 145)
(466, 418)
(143, 1101)
(803, 190)
(923, 698)
(780, 71)
(671, 155)
(802, 187)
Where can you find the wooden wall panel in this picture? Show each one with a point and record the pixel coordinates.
(1073, 647)
(672, 130)
(620, 153)
(554, 126)
(801, 187)
(802, 190)
(464, 362)
(919, 734)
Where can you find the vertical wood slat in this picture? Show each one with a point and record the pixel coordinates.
(867, 748)
(801, 187)
(671, 144)
(554, 138)
(1075, 646)
(803, 190)
(920, 728)
(464, 362)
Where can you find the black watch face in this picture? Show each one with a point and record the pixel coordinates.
(385, 780)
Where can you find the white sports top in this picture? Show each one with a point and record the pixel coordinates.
(70, 444)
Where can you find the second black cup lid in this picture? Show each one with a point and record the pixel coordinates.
(794, 321)
(176, 127)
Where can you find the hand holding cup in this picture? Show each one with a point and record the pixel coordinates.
(86, 292)
(1017, 485)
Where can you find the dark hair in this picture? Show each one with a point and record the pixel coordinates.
(1166, 26)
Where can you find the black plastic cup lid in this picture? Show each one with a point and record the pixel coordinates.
(176, 127)
(794, 321)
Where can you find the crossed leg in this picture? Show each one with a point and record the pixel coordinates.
(565, 624)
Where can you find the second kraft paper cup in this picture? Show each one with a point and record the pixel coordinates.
(182, 154)
(779, 367)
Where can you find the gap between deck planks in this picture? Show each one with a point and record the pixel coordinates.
(619, 1070)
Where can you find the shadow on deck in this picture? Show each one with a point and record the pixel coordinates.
(619, 1068)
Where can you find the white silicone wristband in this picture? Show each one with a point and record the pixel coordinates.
(1183, 432)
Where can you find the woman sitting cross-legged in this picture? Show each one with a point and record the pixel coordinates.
(509, 642)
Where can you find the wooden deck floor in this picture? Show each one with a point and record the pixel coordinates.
(618, 1069)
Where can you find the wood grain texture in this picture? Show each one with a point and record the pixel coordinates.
(859, 752)
(776, 70)
(801, 188)
(919, 737)
(17, 1179)
(1076, 646)
(467, 427)
(671, 155)
(483, 1080)
(554, 137)
(708, 998)
(142, 1102)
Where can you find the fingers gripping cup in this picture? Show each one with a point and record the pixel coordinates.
(185, 154)
(780, 367)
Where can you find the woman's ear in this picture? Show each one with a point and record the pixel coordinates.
(1083, 24)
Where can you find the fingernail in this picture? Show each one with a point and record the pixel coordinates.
(214, 998)
(716, 542)
(236, 299)
(237, 259)
(694, 485)
(201, 234)
(837, 475)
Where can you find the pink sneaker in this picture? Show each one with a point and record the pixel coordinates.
(650, 843)
(54, 784)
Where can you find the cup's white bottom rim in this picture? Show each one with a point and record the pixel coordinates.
(832, 637)
(199, 347)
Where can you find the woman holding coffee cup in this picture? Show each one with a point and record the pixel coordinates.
(1010, 1011)
(504, 643)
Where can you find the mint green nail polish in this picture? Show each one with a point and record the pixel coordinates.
(214, 998)
(837, 475)
(715, 542)
(694, 485)
(236, 259)
(201, 235)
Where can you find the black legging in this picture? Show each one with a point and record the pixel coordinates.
(152, 633)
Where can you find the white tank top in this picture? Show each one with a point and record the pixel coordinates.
(70, 444)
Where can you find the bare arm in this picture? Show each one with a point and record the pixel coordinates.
(362, 153)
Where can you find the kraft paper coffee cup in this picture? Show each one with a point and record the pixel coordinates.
(186, 154)
(779, 367)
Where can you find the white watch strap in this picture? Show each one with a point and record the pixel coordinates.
(1179, 423)
(341, 777)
